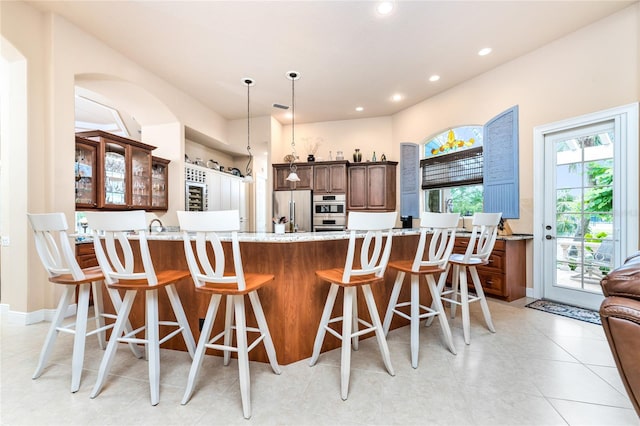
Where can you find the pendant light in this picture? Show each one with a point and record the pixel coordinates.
(293, 176)
(248, 175)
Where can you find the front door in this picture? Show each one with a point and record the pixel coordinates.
(588, 218)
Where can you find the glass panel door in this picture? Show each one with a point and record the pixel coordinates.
(140, 178)
(115, 183)
(580, 191)
(85, 175)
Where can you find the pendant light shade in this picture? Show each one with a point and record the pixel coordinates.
(293, 176)
(248, 175)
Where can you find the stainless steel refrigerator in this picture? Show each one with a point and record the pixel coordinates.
(295, 206)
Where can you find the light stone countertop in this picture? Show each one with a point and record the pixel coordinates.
(269, 237)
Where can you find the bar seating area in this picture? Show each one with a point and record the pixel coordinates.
(212, 252)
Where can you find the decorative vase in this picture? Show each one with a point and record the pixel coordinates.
(357, 156)
(311, 158)
(373, 158)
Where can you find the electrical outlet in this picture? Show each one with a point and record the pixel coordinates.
(5, 241)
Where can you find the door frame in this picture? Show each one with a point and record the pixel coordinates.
(626, 119)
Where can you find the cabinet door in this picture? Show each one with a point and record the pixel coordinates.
(115, 170)
(225, 193)
(357, 199)
(280, 182)
(337, 178)
(305, 173)
(86, 174)
(214, 183)
(140, 178)
(377, 187)
(281, 172)
(321, 179)
(159, 183)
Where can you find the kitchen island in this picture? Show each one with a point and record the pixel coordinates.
(293, 302)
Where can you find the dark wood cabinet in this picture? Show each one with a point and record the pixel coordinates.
(281, 171)
(159, 183)
(86, 255)
(124, 174)
(372, 186)
(504, 277)
(330, 177)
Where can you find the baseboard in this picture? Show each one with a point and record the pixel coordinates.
(26, 318)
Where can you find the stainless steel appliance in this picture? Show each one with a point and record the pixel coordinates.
(329, 212)
(296, 207)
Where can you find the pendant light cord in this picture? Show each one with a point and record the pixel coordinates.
(293, 76)
(248, 171)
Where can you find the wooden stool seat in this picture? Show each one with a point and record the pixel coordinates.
(252, 281)
(429, 261)
(165, 278)
(335, 276)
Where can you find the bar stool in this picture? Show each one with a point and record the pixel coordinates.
(234, 285)
(118, 270)
(373, 262)
(60, 262)
(443, 234)
(483, 238)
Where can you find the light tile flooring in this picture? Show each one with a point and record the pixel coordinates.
(538, 369)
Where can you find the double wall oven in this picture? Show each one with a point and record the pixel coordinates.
(329, 212)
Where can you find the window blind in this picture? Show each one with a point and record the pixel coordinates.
(455, 169)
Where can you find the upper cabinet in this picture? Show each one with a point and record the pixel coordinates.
(330, 177)
(281, 171)
(372, 186)
(85, 174)
(124, 174)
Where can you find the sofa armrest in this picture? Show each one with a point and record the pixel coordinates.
(624, 281)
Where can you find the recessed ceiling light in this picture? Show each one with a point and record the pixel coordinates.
(485, 51)
(359, 109)
(434, 78)
(385, 7)
(396, 98)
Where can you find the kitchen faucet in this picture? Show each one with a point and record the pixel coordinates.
(156, 220)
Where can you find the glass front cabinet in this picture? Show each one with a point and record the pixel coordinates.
(122, 175)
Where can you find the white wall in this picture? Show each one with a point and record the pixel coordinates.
(592, 69)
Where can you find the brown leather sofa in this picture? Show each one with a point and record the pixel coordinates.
(620, 314)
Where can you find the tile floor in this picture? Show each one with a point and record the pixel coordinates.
(538, 369)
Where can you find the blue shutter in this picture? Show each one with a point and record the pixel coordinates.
(501, 171)
(409, 179)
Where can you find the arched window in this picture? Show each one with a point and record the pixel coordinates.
(452, 170)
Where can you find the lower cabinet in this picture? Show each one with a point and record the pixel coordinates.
(504, 277)
(86, 255)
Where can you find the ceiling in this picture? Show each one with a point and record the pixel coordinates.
(348, 54)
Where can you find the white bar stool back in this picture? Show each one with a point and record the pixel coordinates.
(483, 238)
(119, 273)
(372, 265)
(430, 261)
(58, 258)
(210, 277)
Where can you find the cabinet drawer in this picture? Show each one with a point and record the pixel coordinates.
(496, 263)
(491, 283)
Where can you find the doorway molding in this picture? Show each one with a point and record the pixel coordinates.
(626, 120)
